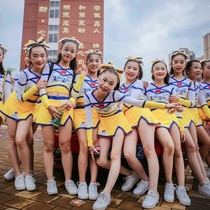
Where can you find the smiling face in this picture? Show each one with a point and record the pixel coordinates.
(107, 82)
(1, 55)
(194, 72)
(93, 62)
(131, 70)
(38, 57)
(178, 63)
(206, 70)
(68, 51)
(159, 71)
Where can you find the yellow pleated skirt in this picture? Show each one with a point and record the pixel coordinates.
(79, 118)
(195, 116)
(17, 110)
(108, 125)
(135, 114)
(43, 116)
(165, 119)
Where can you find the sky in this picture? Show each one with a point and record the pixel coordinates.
(147, 28)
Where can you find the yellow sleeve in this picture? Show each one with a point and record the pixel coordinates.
(208, 103)
(184, 102)
(29, 93)
(153, 104)
(45, 100)
(206, 110)
(90, 137)
(73, 100)
(77, 86)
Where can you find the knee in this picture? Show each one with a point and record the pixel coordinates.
(129, 155)
(20, 142)
(83, 149)
(48, 147)
(101, 162)
(191, 148)
(169, 149)
(115, 156)
(65, 146)
(178, 153)
(148, 151)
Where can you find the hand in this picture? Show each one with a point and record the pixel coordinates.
(174, 99)
(173, 105)
(92, 150)
(145, 84)
(171, 110)
(41, 84)
(54, 112)
(83, 70)
(182, 136)
(66, 105)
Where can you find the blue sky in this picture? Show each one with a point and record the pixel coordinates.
(151, 29)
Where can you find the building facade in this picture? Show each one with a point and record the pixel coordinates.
(206, 44)
(57, 19)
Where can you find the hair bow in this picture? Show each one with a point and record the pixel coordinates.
(135, 58)
(72, 39)
(4, 49)
(204, 60)
(158, 60)
(104, 65)
(95, 51)
(40, 41)
(180, 51)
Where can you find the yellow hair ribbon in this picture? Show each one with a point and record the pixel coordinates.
(135, 58)
(159, 60)
(204, 60)
(95, 51)
(72, 39)
(180, 51)
(3, 48)
(41, 41)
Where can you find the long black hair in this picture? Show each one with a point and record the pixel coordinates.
(166, 79)
(73, 63)
(139, 65)
(2, 71)
(112, 70)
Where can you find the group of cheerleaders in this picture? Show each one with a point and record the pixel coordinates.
(173, 109)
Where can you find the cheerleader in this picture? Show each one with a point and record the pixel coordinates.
(5, 82)
(55, 99)
(19, 109)
(10, 175)
(93, 62)
(186, 96)
(168, 132)
(143, 124)
(112, 126)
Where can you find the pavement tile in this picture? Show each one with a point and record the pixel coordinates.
(115, 202)
(9, 190)
(27, 194)
(86, 206)
(2, 207)
(3, 185)
(61, 201)
(38, 205)
(18, 203)
(159, 208)
(130, 204)
(202, 201)
(175, 205)
(6, 197)
(196, 194)
(45, 198)
(60, 208)
(198, 206)
(129, 196)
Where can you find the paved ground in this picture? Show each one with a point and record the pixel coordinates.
(11, 199)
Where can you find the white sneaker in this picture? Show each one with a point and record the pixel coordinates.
(20, 183)
(93, 191)
(10, 175)
(183, 197)
(150, 200)
(130, 181)
(51, 187)
(207, 172)
(30, 182)
(169, 193)
(205, 189)
(82, 190)
(102, 201)
(31, 172)
(71, 187)
(141, 188)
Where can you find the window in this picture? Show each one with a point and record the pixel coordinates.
(53, 33)
(53, 53)
(54, 9)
